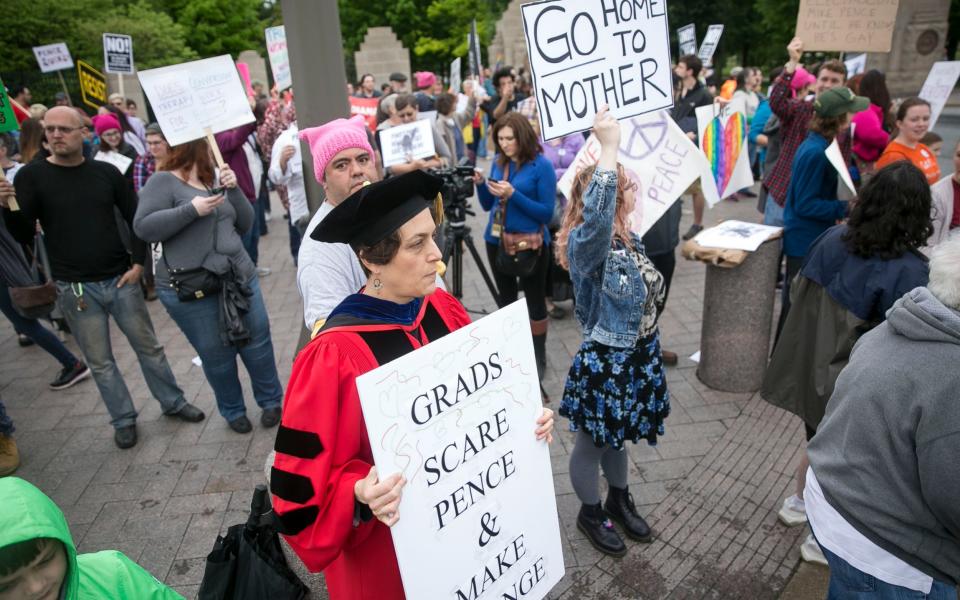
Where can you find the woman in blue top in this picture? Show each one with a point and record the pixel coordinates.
(616, 390)
(519, 195)
(812, 206)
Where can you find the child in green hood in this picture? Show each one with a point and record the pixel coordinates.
(38, 560)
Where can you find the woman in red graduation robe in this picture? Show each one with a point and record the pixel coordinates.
(332, 507)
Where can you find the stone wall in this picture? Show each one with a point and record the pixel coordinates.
(381, 53)
(509, 47)
(257, 65)
(918, 42)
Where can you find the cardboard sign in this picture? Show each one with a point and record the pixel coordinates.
(192, 96)
(723, 140)
(687, 39)
(663, 159)
(939, 85)
(279, 60)
(93, 85)
(404, 143)
(585, 55)
(118, 53)
(455, 80)
(710, 42)
(847, 25)
(53, 57)
(478, 516)
(8, 120)
(367, 107)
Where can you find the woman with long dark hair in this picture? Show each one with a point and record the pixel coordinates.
(520, 195)
(113, 148)
(130, 134)
(200, 226)
(873, 126)
(852, 275)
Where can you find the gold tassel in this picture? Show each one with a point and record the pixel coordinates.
(438, 209)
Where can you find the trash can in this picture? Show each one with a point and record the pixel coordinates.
(738, 303)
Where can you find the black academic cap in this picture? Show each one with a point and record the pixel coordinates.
(375, 211)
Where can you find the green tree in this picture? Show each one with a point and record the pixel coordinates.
(215, 27)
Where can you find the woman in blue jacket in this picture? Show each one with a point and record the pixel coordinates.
(519, 195)
(616, 390)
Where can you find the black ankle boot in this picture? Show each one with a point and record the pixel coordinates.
(539, 330)
(620, 507)
(593, 522)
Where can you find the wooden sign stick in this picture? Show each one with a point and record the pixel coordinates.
(12, 200)
(212, 141)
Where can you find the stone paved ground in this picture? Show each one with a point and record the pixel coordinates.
(710, 488)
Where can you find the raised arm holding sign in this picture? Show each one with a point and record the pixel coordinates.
(584, 55)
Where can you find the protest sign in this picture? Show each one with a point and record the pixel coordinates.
(473, 52)
(855, 64)
(404, 143)
(710, 42)
(8, 120)
(367, 108)
(279, 59)
(585, 55)
(723, 140)
(939, 85)
(455, 75)
(687, 39)
(192, 96)
(118, 53)
(663, 159)
(478, 516)
(93, 85)
(53, 57)
(244, 70)
(847, 25)
(836, 159)
(120, 161)
(736, 235)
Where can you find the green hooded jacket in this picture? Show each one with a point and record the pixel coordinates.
(28, 514)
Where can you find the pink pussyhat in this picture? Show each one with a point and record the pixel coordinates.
(329, 139)
(801, 79)
(425, 79)
(105, 122)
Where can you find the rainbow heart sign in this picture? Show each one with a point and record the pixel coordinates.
(723, 140)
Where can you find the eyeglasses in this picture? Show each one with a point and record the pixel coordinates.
(52, 129)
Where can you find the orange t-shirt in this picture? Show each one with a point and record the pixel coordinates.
(920, 156)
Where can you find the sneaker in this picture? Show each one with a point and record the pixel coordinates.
(125, 437)
(24, 341)
(241, 424)
(810, 551)
(263, 271)
(270, 417)
(793, 512)
(9, 455)
(693, 231)
(70, 375)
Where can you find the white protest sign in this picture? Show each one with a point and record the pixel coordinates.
(585, 55)
(736, 235)
(120, 161)
(118, 53)
(404, 143)
(279, 60)
(687, 39)
(192, 96)
(455, 75)
(710, 42)
(661, 156)
(478, 516)
(53, 57)
(939, 84)
(856, 64)
(723, 140)
(836, 159)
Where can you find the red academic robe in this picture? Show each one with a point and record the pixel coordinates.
(323, 450)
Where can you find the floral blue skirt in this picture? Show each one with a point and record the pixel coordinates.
(617, 394)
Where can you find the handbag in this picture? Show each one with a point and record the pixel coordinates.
(36, 301)
(517, 253)
(197, 282)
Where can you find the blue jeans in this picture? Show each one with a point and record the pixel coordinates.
(32, 328)
(850, 583)
(6, 423)
(251, 239)
(91, 329)
(199, 319)
(772, 213)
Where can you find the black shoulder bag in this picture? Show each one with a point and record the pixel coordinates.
(198, 282)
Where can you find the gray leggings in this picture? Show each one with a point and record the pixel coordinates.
(585, 474)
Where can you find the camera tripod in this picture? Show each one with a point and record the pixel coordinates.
(456, 234)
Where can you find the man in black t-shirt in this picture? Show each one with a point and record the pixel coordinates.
(75, 200)
(507, 96)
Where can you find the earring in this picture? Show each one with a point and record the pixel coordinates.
(377, 285)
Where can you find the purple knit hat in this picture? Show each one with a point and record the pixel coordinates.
(329, 139)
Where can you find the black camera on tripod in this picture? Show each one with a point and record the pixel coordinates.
(457, 189)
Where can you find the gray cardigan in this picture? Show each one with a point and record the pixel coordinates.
(165, 214)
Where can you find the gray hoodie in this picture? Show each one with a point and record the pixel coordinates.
(887, 453)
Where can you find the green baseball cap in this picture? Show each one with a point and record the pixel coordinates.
(836, 101)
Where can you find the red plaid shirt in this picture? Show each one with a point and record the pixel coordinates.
(795, 115)
(143, 167)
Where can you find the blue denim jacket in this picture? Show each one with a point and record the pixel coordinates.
(607, 282)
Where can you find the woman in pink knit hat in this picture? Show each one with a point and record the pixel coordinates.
(112, 147)
(426, 100)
